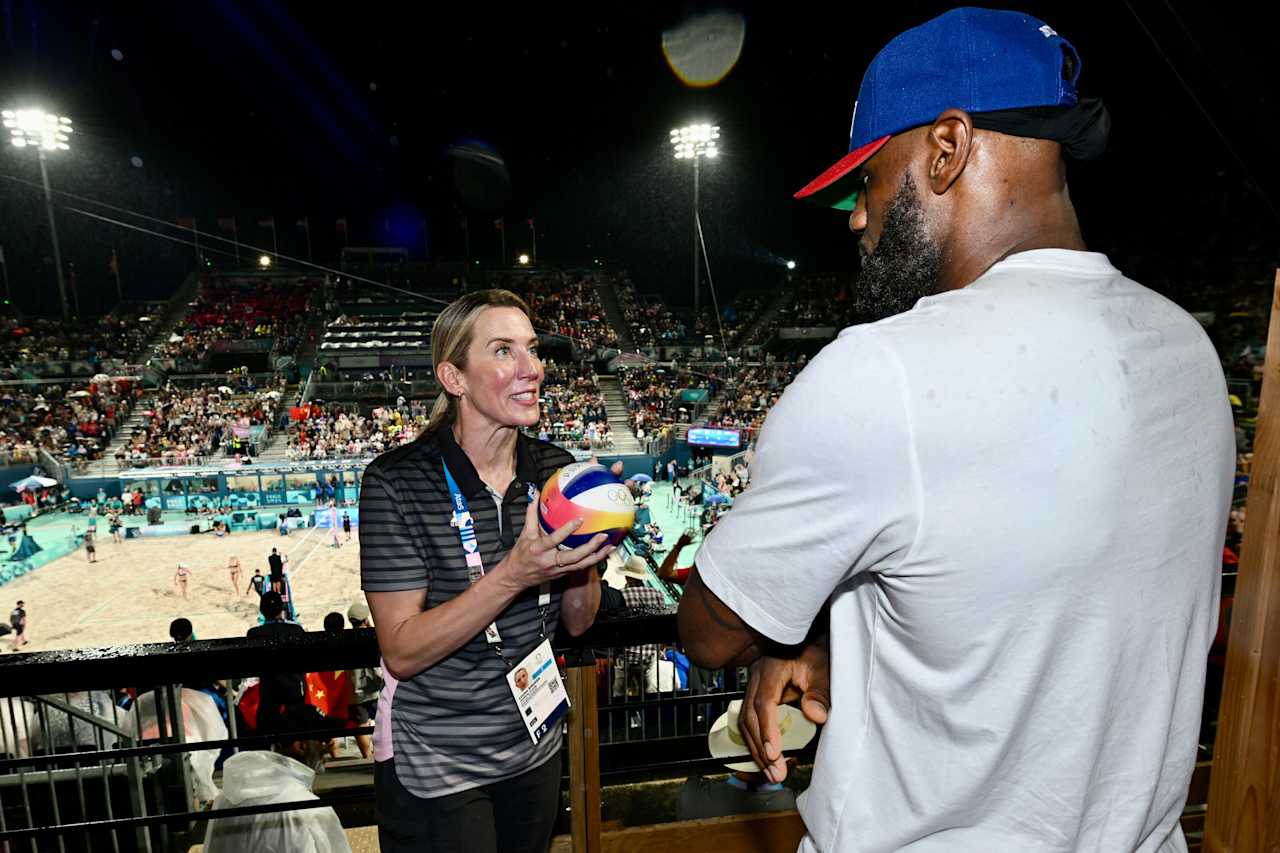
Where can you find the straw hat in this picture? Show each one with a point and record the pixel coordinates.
(634, 567)
(725, 740)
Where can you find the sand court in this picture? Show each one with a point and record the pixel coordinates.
(129, 596)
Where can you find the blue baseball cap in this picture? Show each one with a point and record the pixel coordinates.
(977, 60)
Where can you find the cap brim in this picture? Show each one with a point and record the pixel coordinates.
(830, 189)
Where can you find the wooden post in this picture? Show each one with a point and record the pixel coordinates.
(584, 759)
(1244, 788)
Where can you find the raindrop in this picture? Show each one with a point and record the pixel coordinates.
(117, 54)
(136, 161)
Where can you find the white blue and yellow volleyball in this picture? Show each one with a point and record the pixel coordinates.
(592, 493)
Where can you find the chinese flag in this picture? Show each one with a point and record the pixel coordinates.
(330, 692)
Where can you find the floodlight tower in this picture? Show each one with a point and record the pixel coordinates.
(45, 132)
(693, 143)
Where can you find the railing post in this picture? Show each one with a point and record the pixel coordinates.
(1244, 804)
(584, 754)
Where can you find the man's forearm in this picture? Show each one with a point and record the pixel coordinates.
(580, 602)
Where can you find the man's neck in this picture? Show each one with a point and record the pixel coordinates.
(490, 447)
(1033, 213)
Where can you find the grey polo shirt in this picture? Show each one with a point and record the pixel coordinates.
(455, 726)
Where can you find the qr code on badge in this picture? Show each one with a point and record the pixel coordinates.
(553, 685)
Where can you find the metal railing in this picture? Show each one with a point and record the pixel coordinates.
(133, 372)
(144, 774)
(375, 389)
(205, 380)
(57, 469)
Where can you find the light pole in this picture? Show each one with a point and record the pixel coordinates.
(693, 143)
(45, 132)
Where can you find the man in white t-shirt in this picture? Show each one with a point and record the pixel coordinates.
(997, 507)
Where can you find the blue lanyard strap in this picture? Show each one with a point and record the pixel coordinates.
(465, 524)
(471, 549)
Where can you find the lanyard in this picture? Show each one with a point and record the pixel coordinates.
(475, 565)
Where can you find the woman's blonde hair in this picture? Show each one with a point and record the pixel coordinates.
(451, 336)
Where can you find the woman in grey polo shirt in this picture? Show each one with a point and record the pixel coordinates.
(456, 766)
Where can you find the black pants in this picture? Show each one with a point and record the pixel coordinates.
(513, 816)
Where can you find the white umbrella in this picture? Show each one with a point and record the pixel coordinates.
(79, 394)
(101, 377)
(32, 482)
(224, 389)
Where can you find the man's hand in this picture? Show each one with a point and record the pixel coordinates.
(615, 468)
(773, 682)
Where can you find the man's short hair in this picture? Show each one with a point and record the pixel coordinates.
(271, 605)
(181, 630)
(334, 622)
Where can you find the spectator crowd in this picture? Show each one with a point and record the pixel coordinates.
(332, 431)
(184, 427)
(573, 410)
(72, 422)
(227, 311)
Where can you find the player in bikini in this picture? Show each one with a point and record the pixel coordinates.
(233, 566)
(180, 579)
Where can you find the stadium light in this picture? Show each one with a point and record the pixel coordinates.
(693, 143)
(264, 261)
(45, 132)
(523, 259)
(38, 129)
(791, 265)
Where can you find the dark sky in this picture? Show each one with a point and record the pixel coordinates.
(255, 109)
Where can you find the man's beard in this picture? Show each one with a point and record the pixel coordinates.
(905, 266)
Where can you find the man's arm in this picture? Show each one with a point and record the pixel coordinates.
(580, 601)
(712, 634)
(667, 571)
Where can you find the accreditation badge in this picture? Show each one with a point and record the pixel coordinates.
(539, 692)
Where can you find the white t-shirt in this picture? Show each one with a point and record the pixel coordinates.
(1014, 496)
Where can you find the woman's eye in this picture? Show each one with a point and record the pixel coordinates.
(502, 350)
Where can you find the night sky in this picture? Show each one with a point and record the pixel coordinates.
(256, 109)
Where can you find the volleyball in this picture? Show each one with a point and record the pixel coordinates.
(592, 493)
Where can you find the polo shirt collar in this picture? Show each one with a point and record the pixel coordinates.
(465, 472)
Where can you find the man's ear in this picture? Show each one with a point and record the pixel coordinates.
(451, 378)
(949, 143)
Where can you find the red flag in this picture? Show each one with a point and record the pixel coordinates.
(269, 222)
(330, 692)
(248, 704)
(188, 222)
(497, 223)
(341, 224)
(227, 223)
